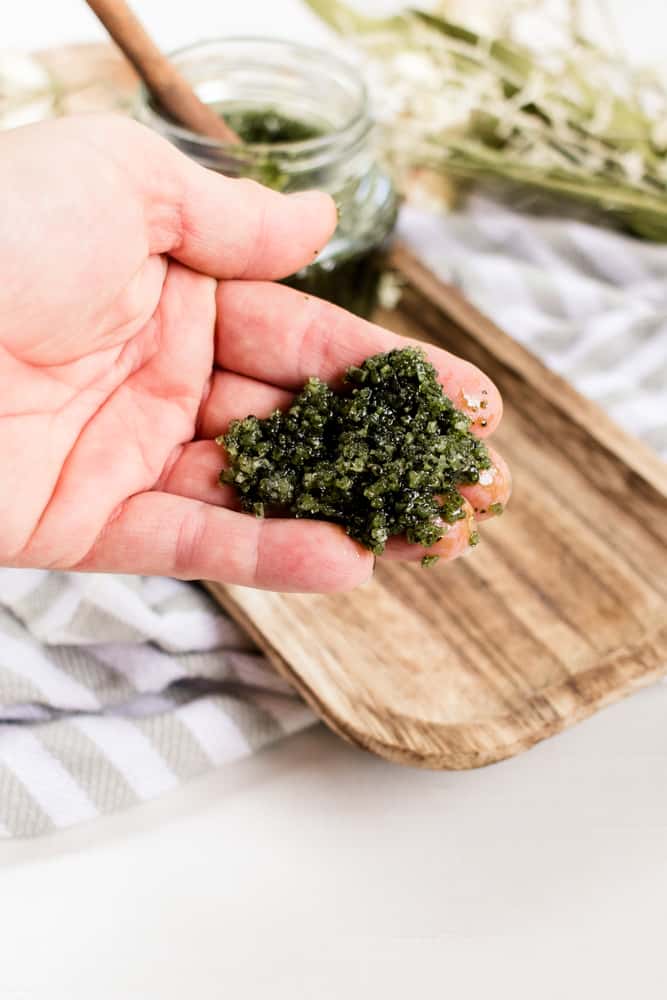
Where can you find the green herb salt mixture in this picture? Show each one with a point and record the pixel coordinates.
(383, 457)
(269, 126)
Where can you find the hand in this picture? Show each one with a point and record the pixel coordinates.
(137, 317)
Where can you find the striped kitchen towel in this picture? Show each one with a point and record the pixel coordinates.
(115, 689)
(591, 302)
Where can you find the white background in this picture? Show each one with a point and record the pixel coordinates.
(30, 24)
(315, 871)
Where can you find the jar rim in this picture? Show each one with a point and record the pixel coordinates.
(357, 121)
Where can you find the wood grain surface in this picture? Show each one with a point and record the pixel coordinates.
(90, 77)
(561, 610)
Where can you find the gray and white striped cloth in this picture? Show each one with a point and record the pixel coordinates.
(115, 689)
(591, 302)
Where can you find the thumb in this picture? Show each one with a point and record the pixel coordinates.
(224, 227)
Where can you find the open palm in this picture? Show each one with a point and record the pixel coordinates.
(137, 317)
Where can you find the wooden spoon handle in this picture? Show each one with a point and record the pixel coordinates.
(161, 77)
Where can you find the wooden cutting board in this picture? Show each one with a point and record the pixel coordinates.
(561, 610)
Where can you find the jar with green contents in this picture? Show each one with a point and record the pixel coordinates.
(304, 121)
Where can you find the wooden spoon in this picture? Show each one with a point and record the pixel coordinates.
(166, 84)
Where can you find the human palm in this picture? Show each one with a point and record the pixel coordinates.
(137, 317)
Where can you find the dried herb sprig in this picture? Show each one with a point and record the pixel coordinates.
(383, 458)
(574, 122)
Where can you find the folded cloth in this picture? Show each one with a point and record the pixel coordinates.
(589, 301)
(114, 689)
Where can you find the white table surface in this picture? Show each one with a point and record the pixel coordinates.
(313, 870)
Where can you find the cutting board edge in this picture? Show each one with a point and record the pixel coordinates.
(457, 759)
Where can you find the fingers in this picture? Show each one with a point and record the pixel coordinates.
(455, 542)
(279, 335)
(224, 227)
(195, 475)
(490, 494)
(156, 533)
(233, 395)
(239, 229)
(230, 228)
(194, 472)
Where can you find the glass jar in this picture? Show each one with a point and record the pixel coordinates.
(323, 95)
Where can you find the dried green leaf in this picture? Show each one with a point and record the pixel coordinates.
(579, 124)
(346, 20)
